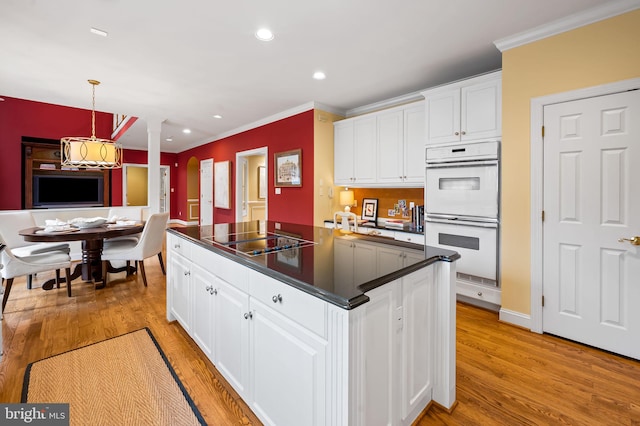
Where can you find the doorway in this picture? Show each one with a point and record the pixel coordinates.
(582, 179)
(251, 185)
(135, 187)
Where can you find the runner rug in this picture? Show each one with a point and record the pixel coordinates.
(125, 380)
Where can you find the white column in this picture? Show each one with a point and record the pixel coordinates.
(154, 127)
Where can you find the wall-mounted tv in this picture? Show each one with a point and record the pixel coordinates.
(51, 191)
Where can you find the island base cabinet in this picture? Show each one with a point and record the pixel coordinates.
(296, 359)
(391, 349)
(287, 370)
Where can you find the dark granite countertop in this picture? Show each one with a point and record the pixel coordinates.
(316, 267)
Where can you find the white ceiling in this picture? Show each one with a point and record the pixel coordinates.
(184, 61)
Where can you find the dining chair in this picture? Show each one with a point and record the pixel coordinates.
(14, 266)
(124, 213)
(149, 244)
(13, 221)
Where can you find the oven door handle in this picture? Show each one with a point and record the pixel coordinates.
(481, 163)
(455, 220)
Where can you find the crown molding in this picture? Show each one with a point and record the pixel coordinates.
(387, 103)
(571, 22)
(267, 120)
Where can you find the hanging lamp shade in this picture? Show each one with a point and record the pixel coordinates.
(92, 153)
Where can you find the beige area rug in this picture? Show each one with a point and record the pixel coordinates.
(126, 380)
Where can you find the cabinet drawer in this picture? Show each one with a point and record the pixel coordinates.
(225, 269)
(179, 245)
(410, 238)
(306, 310)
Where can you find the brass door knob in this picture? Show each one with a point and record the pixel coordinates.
(633, 240)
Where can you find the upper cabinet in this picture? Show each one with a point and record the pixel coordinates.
(464, 111)
(382, 148)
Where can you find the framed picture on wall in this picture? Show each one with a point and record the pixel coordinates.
(222, 173)
(288, 168)
(370, 209)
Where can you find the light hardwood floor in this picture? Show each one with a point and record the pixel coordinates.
(506, 375)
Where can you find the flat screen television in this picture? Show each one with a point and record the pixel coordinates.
(51, 191)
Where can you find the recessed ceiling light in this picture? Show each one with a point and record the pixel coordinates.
(217, 116)
(99, 32)
(319, 75)
(169, 139)
(187, 131)
(264, 34)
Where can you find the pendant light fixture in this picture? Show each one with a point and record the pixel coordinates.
(91, 153)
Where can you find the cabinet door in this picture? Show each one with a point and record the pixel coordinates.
(442, 109)
(364, 267)
(180, 282)
(414, 142)
(287, 370)
(232, 336)
(417, 339)
(343, 153)
(343, 263)
(390, 147)
(481, 111)
(204, 294)
(389, 259)
(364, 136)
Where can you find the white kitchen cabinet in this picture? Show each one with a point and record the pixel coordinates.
(390, 145)
(179, 286)
(287, 370)
(354, 262)
(355, 152)
(383, 148)
(464, 111)
(401, 145)
(204, 292)
(232, 336)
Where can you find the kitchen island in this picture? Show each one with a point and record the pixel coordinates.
(316, 327)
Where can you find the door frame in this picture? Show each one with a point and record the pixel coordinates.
(251, 152)
(537, 183)
(167, 184)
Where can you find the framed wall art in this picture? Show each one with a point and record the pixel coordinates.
(221, 188)
(288, 168)
(370, 209)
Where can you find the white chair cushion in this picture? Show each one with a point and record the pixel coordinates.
(39, 248)
(18, 266)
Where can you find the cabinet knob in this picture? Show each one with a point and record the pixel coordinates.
(187, 273)
(214, 291)
(248, 315)
(277, 298)
(208, 288)
(464, 133)
(480, 293)
(457, 133)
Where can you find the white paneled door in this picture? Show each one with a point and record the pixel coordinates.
(592, 203)
(206, 192)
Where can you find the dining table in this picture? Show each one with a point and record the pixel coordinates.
(92, 244)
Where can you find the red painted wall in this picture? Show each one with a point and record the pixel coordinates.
(294, 205)
(18, 118)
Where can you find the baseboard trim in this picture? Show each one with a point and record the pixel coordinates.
(515, 318)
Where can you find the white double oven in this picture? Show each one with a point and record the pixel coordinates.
(462, 213)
